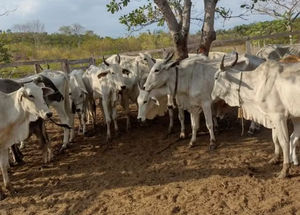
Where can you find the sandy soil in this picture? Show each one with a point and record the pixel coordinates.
(146, 173)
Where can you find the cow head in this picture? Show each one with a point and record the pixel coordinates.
(148, 59)
(78, 95)
(223, 84)
(78, 91)
(159, 73)
(117, 73)
(32, 100)
(146, 102)
(42, 80)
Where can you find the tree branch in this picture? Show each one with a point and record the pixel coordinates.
(168, 14)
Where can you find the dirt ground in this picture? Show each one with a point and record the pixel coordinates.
(146, 173)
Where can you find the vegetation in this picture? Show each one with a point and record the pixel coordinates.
(21, 46)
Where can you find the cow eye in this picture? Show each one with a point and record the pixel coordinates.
(157, 70)
(31, 96)
(81, 96)
(145, 102)
(70, 94)
(113, 73)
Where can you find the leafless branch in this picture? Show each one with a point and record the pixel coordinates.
(7, 12)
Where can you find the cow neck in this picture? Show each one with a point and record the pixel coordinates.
(175, 87)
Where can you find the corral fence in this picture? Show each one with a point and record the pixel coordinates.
(69, 65)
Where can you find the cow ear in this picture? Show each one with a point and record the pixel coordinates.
(102, 74)
(47, 91)
(155, 100)
(84, 90)
(172, 64)
(21, 94)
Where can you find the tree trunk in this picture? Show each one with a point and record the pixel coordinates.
(179, 30)
(208, 32)
(181, 49)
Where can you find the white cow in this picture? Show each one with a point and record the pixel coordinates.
(63, 108)
(134, 71)
(267, 95)
(18, 109)
(154, 103)
(101, 84)
(78, 95)
(191, 82)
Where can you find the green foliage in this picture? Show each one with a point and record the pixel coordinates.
(140, 17)
(5, 55)
(57, 46)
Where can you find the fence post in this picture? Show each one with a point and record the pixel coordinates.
(92, 61)
(37, 68)
(65, 66)
(248, 46)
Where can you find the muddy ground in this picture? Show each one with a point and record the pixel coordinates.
(146, 173)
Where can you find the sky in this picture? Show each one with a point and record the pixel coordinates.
(93, 15)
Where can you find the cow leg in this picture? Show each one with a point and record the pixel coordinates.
(107, 118)
(125, 105)
(171, 116)
(209, 124)
(114, 117)
(182, 126)
(80, 122)
(4, 165)
(251, 128)
(65, 119)
(16, 153)
(293, 143)
(294, 140)
(22, 145)
(83, 122)
(280, 123)
(41, 133)
(195, 126)
(276, 155)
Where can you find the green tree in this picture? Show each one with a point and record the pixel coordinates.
(287, 11)
(5, 55)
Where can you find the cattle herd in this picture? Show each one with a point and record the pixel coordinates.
(264, 87)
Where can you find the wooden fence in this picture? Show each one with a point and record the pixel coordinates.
(68, 65)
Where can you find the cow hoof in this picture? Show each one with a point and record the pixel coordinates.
(85, 133)
(2, 196)
(118, 134)
(128, 129)
(296, 163)
(212, 147)
(182, 135)
(21, 163)
(80, 130)
(11, 189)
(109, 139)
(191, 145)
(249, 134)
(282, 175)
(274, 161)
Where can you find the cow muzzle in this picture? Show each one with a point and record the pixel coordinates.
(142, 122)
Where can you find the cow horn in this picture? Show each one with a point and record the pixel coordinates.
(169, 57)
(40, 66)
(119, 58)
(236, 59)
(104, 61)
(222, 68)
